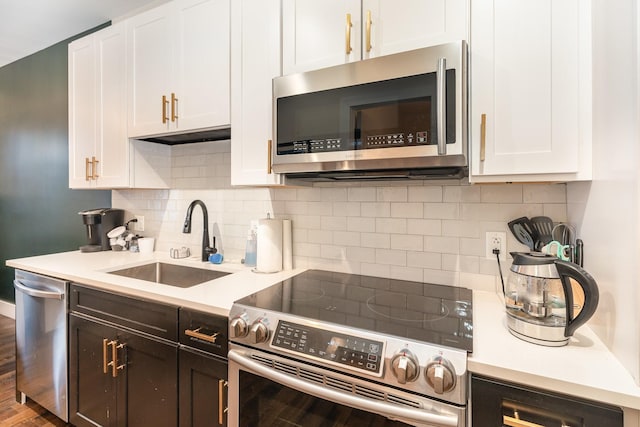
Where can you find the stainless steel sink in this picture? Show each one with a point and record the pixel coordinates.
(170, 274)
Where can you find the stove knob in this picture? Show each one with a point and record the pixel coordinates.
(405, 366)
(259, 332)
(440, 374)
(238, 328)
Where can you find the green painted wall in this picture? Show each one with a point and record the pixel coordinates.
(38, 212)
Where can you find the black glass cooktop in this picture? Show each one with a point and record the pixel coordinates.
(436, 314)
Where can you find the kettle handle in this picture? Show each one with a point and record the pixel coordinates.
(588, 284)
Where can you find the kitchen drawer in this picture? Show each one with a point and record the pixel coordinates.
(140, 314)
(204, 331)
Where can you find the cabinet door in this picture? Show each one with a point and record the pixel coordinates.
(150, 61)
(530, 77)
(202, 60)
(202, 390)
(82, 110)
(315, 34)
(148, 385)
(112, 141)
(255, 61)
(416, 24)
(92, 393)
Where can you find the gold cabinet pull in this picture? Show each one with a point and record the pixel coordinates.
(514, 422)
(348, 34)
(114, 358)
(174, 103)
(269, 154)
(105, 364)
(483, 136)
(164, 109)
(87, 176)
(368, 32)
(195, 333)
(221, 408)
(94, 168)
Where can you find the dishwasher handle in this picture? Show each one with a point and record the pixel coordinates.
(37, 292)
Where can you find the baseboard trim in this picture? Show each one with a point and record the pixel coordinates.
(7, 309)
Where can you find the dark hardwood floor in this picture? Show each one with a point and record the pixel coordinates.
(11, 412)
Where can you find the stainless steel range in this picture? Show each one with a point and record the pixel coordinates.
(334, 349)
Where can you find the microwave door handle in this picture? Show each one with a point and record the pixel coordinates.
(441, 107)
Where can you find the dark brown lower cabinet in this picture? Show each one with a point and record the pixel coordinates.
(203, 385)
(119, 377)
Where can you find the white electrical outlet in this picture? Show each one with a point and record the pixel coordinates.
(496, 240)
(139, 225)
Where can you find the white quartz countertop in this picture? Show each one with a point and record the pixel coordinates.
(215, 296)
(584, 368)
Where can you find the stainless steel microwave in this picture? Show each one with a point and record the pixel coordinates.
(395, 116)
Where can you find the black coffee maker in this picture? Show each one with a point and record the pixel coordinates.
(99, 222)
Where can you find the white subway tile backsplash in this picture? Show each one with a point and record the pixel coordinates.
(431, 193)
(407, 242)
(407, 210)
(429, 231)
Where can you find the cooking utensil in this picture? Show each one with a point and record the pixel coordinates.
(579, 258)
(523, 230)
(544, 226)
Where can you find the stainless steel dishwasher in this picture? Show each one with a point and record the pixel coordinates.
(41, 341)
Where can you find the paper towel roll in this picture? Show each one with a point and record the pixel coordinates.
(269, 256)
(287, 252)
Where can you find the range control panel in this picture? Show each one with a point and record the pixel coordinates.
(353, 352)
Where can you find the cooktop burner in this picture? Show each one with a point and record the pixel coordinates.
(435, 314)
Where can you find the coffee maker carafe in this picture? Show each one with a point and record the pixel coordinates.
(98, 223)
(543, 298)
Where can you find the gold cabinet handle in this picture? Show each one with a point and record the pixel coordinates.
(195, 333)
(94, 168)
(269, 158)
(221, 408)
(105, 364)
(174, 103)
(348, 34)
(514, 422)
(114, 358)
(483, 136)
(164, 109)
(87, 176)
(368, 31)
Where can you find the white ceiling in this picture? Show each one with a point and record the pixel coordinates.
(29, 26)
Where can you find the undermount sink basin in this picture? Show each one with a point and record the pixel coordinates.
(170, 274)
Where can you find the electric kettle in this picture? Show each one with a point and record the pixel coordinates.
(543, 297)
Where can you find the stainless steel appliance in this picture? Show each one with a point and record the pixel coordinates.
(99, 222)
(396, 116)
(326, 348)
(41, 341)
(548, 299)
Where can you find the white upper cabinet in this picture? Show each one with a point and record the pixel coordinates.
(319, 34)
(530, 86)
(255, 61)
(179, 67)
(98, 144)
(100, 153)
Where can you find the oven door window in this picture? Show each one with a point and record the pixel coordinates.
(266, 403)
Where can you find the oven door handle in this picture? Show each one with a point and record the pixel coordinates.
(388, 410)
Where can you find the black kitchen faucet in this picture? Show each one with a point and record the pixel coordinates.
(206, 249)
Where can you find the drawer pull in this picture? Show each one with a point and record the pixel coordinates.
(195, 333)
(105, 364)
(514, 422)
(348, 35)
